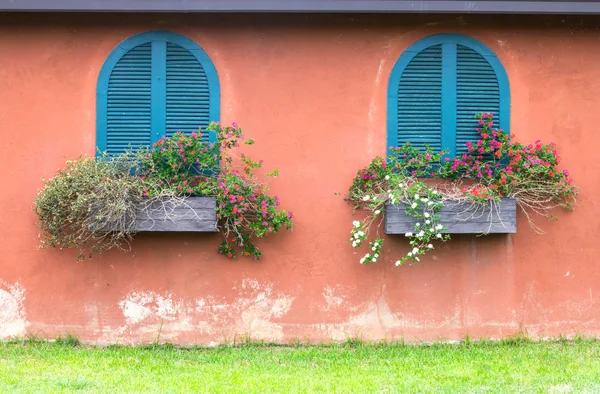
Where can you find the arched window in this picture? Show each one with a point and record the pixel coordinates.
(436, 88)
(154, 84)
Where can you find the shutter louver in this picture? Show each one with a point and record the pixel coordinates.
(187, 101)
(420, 101)
(477, 91)
(128, 115)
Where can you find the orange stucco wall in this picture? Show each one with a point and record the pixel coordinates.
(312, 91)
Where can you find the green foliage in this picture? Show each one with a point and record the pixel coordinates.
(494, 167)
(85, 196)
(82, 205)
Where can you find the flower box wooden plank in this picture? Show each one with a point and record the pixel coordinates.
(189, 214)
(460, 217)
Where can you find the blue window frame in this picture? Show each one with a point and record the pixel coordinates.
(436, 88)
(154, 84)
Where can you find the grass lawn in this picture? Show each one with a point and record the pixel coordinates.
(517, 366)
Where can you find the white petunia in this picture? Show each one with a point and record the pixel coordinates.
(360, 233)
(425, 199)
(373, 248)
(375, 256)
(398, 263)
(413, 205)
(418, 225)
(432, 230)
(427, 221)
(416, 258)
(366, 198)
(408, 235)
(362, 261)
(416, 196)
(421, 233)
(434, 192)
(439, 236)
(356, 235)
(377, 212)
(439, 227)
(387, 177)
(415, 250)
(427, 214)
(356, 223)
(409, 254)
(430, 246)
(430, 203)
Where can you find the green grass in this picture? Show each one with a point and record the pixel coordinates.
(514, 366)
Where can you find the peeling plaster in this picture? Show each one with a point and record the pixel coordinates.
(333, 297)
(251, 314)
(12, 312)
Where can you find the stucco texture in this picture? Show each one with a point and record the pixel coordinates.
(311, 90)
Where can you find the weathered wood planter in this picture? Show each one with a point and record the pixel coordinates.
(460, 218)
(191, 214)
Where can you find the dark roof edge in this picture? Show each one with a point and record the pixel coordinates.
(309, 6)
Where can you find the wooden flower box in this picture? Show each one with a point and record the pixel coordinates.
(460, 217)
(190, 214)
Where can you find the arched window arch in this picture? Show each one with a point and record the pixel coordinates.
(436, 88)
(154, 84)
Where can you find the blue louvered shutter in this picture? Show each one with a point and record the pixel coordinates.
(443, 82)
(128, 101)
(155, 84)
(477, 91)
(187, 91)
(420, 101)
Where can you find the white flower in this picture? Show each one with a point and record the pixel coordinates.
(377, 212)
(373, 248)
(408, 235)
(430, 246)
(362, 261)
(415, 250)
(416, 258)
(387, 177)
(356, 223)
(425, 199)
(366, 198)
(421, 233)
(413, 205)
(360, 233)
(439, 227)
(375, 256)
(409, 254)
(427, 221)
(427, 214)
(439, 236)
(398, 263)
(434, 192)
(356, 235)
(418, 225)
(431, 230)
(430, 203)
(416, 196)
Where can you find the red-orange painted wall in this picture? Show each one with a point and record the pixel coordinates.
(312, 91)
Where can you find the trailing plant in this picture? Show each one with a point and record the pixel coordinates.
(89, 196)
(494, 167)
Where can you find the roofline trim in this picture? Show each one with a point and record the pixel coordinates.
(308, 6)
